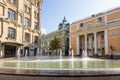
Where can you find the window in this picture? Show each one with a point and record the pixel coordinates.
(26, 22)
(11, 33)
(81, 25)
(99, 19)
(38, 4)
(1, 11)
(27, 37)
(25, 8)
(11, 14)
(36, 39)
(12, 1)
(38, 15)
(35, 25)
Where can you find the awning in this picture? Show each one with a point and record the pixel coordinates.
(12, 43)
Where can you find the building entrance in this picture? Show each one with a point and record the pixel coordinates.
(9, 51)
(103, 51)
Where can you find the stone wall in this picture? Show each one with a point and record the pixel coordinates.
(18, 77)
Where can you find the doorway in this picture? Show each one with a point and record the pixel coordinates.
(103, 51)
(9, 51)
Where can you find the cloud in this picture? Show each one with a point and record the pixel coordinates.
(43, 31)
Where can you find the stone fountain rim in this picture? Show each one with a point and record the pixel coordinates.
(57, 72)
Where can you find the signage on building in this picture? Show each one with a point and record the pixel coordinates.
(91, 26)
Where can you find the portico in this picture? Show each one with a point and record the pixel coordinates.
(94, 44)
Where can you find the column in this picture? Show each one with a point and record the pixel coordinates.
(105, 18)
(85, 44)
(78, 45)
(106, 41)
(95, 43)
(99, 46)
(99, 37)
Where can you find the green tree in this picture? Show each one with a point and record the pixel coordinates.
(55, 44)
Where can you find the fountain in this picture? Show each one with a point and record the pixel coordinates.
(26, 54)
(38, 52)
(84, 55)
(18, 54)
(60, 54)
(72, 54)
(65, 68)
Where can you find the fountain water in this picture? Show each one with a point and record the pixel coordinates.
(60, 54)
(69, 52)
(40, 52)
(84, 54)
(18, 54)
(85, 62)
(53, 67)
(37, 55)
(72, 54)
(26, 54)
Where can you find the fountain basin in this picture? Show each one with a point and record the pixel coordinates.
(20, 72)
(37, 74)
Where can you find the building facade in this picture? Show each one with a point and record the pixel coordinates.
(19, 27)
(97, 35)
(62, 33)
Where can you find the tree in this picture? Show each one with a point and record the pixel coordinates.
(55, 44)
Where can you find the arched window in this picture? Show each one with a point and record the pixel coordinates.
(27, 37)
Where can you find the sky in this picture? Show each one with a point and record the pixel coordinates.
(53, 11)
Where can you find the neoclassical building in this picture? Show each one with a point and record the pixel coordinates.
(62, 33)
(19, 27)
(97, 34)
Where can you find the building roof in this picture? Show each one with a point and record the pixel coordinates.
(98, 14)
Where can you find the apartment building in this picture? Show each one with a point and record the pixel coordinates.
(97, 35)
(19, 27)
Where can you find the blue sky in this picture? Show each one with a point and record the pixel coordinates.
(53, 11)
